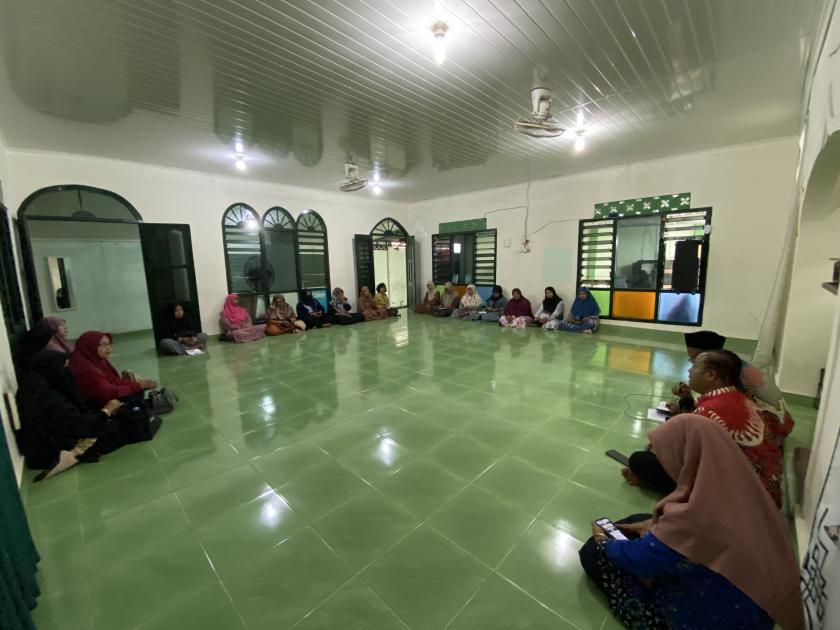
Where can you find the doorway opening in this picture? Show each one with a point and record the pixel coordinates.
(89, 259)
(387, 255)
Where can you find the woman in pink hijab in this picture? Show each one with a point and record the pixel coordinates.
(236, 322)
(714, 554)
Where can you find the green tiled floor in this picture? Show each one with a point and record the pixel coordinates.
(416, 473)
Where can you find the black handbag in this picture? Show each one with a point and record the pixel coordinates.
(161, 401)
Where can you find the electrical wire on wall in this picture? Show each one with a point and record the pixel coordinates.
(526, 236)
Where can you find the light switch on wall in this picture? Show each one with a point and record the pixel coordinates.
(507, 242)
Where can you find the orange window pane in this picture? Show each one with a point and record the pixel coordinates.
(634, 304)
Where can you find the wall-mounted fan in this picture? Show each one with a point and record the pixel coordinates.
(351, 181)
(539, 123)
(258, 276)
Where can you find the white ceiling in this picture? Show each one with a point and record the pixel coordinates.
(307, 85)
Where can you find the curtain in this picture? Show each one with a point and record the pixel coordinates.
(772, 326)
(18, 556)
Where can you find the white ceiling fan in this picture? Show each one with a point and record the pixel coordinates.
(352, 182)
(539, 123)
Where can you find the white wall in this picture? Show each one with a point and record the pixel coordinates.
(750, 188)
(164, 195)
(106, 277)
(810, 308)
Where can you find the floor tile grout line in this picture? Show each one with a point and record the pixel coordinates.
(423, 522)
(350, 579)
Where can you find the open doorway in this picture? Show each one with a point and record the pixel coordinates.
(387, 255)
(90, 260)
(91, 275)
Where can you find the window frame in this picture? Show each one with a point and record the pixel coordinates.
(301, 217)
(662, 261)
(450, 236)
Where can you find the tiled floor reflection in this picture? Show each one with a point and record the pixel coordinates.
(417, 473)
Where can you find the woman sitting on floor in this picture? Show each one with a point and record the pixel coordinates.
(584, 316)
(59, 341)
(493, 308)
(183, 335)
(57, 431)
(448, 302)
(98, 381)
(714, 554)
(310, 311)
(470, 304)
(236, 322)
(431, 300)
(368, 308)
(280, 318)
(517, 313)
(715, 375)
(382, 301)
(340, 309)
(550, 313)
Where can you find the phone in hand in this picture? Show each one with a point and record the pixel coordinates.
(610, 529)
(621, 458)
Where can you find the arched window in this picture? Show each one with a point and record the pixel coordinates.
(280, 247)
(313, 254)
(243, 250)
(388, 227)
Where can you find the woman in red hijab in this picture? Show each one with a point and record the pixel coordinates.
(714, 554)
(518, 313)
(97, 379)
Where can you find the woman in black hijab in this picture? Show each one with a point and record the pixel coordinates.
(184, 334)
(57, 431)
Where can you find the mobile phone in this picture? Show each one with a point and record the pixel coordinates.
(619, 457)
(610, 529)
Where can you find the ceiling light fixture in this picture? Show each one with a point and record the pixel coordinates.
(240, 163)
(580, 131)
(439, 30)
(377, 189)
(239, 147)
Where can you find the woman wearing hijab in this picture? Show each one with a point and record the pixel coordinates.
(382, 301)
(368, 308)
(493, 308)
(340, 309)
(281, 318)
(470, 304)
(59, 341)
(310, 311)
(97, 379)
(714, 554)
(431, 300)
(236, 322)
(183, 334)
(57, 431)
(550, 313)
(448, 302)
(517, 313)
(584, 316)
